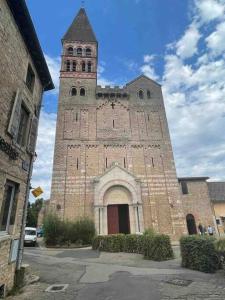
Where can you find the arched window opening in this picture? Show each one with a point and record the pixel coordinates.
(70, 51)
(191, 225)
(83, 66)
(74, 66)
(79, 51)
(88, 52)
(68, 66)
(141, 94)
(89, 67)
(82, 92)
(73, 91)
(148, 94)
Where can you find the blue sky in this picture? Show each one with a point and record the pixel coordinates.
(179, 43)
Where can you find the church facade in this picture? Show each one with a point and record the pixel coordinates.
(113, 158)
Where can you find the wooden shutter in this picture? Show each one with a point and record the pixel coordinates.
(33, 135)
(15, 116)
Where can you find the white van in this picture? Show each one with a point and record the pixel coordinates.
(30, 236)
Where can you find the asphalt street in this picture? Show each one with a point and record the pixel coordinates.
(90, 275)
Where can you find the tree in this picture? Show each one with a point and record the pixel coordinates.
(33, 211)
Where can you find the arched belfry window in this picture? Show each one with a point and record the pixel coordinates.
(148, 94)
(73, 91)
(82, 92)
(70, 51)
(67, 66)
(79, 51)
(83, 66)
(141, 94)
(88, 52)
(89, 67)
(74, 66)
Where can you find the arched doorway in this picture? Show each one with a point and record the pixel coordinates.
(118, 199)
(191, 225)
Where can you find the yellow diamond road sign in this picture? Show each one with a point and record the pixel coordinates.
(37, 192)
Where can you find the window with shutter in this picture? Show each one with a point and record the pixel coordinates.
(33, 135)
(15, 116)
(23, 126)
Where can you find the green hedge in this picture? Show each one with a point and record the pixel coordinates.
(199, 253)
(158, 247)
(60, 233)
(154, 247)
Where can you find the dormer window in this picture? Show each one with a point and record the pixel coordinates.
(82, 92)
(141, 94)
(148, 94)
(88, 52)
(79, 51)
(70, 51)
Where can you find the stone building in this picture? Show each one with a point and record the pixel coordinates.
(24, 77)
(196, 202)
(113, 158)
(217, 196)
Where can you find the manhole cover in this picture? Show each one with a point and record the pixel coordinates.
(179, 282)
(57, 288)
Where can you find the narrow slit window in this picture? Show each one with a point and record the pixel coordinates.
(153, 165)
(106, 162)
(76, 117)
(124, 162)
(77, 163)
(148, 118)
(148, 94)
(184, 187)
(113, 124)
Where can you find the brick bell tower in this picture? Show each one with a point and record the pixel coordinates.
(78, 79)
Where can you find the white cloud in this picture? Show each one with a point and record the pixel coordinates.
(45, 147)
(148, 67)
(208, 10)
(101, 79)
(194, 99)
(216, 40)
(54, 65)
(187, 45)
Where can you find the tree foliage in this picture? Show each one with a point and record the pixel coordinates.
(33, 211)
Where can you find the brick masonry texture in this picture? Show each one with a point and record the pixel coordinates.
(14, 58)
(92, 135)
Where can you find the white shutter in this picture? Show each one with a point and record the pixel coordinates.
(15, 116)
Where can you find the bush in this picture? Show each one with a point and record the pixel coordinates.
(58, 232)
(199, 253)
(133, 243)
(158, 247)
(220, 248)
(149, 232)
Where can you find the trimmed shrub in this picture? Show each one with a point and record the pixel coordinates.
(220, 248)
(109, 243)
(149, 232)
(133, 243)
(158, 247)
(59, 233)
(199, 253)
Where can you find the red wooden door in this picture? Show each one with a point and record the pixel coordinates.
(113, 219)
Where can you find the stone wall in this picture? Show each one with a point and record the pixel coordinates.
(197, 202)
(14, 58)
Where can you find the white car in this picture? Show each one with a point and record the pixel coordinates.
(30, 236)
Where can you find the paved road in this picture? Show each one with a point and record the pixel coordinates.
(119, 276)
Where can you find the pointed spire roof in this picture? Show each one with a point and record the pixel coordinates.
(80, 29)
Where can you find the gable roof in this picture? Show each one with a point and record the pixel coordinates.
(80, 29)
(145, 77)
(25, 25)
(216, 191)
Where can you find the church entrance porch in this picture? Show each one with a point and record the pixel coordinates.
(118, 219)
